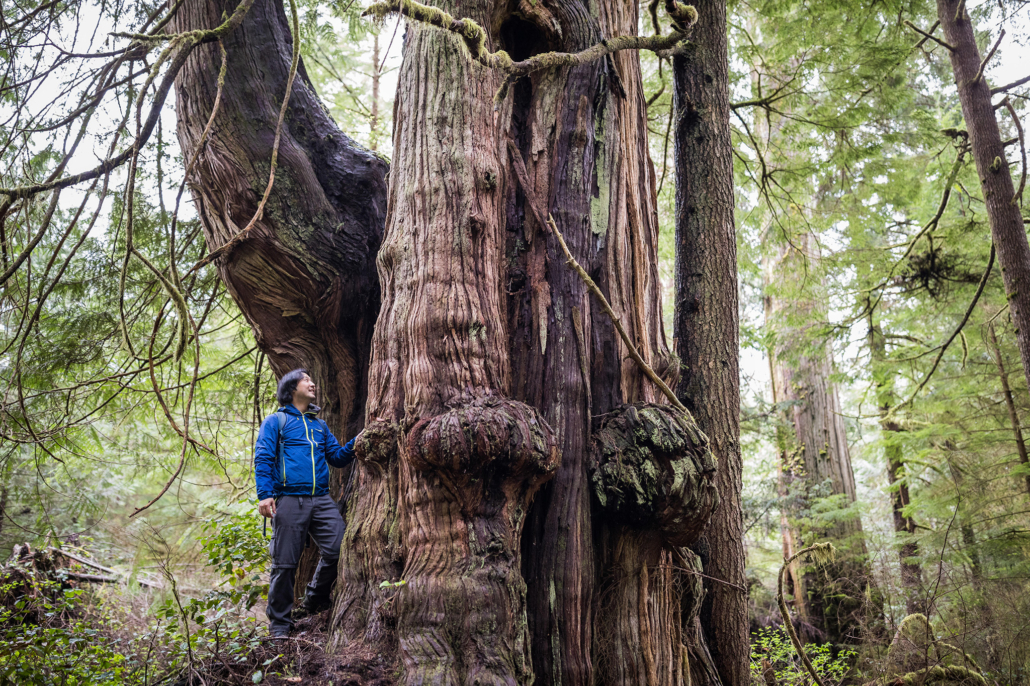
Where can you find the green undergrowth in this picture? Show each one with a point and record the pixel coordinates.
(56, 629)
(52, 635)
(773, 655)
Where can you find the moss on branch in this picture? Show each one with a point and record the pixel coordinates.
(474, 37)
(938, 674)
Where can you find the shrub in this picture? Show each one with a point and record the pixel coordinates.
(49, 637)
(771, 648)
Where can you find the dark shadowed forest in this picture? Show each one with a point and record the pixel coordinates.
(679, 344)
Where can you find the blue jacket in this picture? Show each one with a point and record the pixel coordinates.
(307, 446)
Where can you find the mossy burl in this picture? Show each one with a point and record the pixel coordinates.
(652, 467)
(488, 433)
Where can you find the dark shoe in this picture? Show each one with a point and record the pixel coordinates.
(279, 633)
(309, 607)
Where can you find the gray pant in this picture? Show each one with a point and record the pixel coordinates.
(296, 516)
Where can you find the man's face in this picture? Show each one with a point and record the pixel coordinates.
(305, 390)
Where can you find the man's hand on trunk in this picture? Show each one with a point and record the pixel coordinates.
(266, 508)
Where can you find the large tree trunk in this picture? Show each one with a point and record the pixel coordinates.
(486, 332)
(706, 324)
(904, 526)
(491, 362)
(304, 278)
(1003, 214)
(816, 460)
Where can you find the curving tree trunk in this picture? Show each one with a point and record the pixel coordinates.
(304, 277)
(706, 323)
(520, 480)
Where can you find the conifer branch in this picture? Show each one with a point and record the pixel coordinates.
(1018, 195)
(954, 335)
(1010, 86)
(184, 43)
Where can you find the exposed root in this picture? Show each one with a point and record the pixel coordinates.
(301, 659)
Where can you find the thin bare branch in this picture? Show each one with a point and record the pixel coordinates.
(928, 35)
(983, 64)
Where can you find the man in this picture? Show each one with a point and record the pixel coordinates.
(293, 490)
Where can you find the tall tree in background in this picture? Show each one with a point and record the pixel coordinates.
(1000, 197)
(882, 373)
(705, 324)
(816, 460)
(803, 140)
(492, 364)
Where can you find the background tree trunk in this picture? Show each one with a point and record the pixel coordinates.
(1003, 377)
(904, 526)
(995, 179)
(304, 278)
(816, 457)
(706, 320)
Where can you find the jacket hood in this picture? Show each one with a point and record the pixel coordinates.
(290, 409)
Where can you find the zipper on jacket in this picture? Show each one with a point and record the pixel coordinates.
(281, 446)
(308, 436)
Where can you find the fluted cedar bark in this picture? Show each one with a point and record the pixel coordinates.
(490, 360)
(1002, 207)
(815, 454)
(706, 325)
(479, 308)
